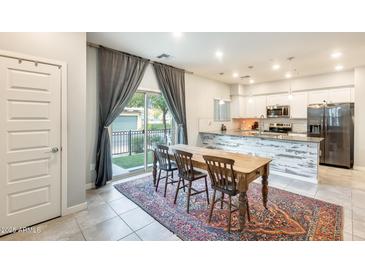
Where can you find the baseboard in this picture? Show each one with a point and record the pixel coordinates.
(362, 168)
(74, 209)
(90, 186)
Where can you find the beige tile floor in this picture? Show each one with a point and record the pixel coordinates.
(111, 216)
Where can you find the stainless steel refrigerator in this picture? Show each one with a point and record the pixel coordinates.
(334, 123)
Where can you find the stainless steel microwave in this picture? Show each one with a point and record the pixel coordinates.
(278, 111)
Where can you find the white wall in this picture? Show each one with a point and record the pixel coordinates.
(359, 117)
(92, 110)
(200, 93)
(149, 80)
(71, 48)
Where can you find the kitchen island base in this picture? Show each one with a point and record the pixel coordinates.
(290, 158)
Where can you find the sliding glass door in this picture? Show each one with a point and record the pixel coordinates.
(144, 123)
(127, 138)
(160, 126)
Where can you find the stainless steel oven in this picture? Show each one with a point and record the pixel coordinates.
(278, 111)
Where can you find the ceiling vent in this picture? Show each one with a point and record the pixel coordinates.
(245, 77)
(163, 56)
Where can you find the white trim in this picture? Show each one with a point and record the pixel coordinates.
(74, 209)
(63, 68)
(64, 115)
(90, 186)
(301, 178)
(142, 89)
(115, 180)
(361, 168)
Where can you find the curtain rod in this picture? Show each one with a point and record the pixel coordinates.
(92, 45)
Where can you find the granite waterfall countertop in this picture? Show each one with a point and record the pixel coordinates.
(264, 135)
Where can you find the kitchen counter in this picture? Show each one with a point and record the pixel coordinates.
(292, 156)
(267, 135)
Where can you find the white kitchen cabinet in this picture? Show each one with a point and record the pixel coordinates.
(317, 96)
(260, 106)
(352, 95)
(255, 107)
(238, 106)
(298, 105)
(278, 99)
(250, 107)
(235, 107)
(339, 95)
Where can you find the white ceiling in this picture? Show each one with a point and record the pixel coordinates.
(195, 52)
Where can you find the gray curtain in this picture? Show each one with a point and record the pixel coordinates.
(119, 77)
(171, 82)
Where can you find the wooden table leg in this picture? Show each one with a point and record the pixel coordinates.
(154, 168)
(265, 189)
(242, 204)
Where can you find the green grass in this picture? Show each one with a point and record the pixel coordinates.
(133, 160)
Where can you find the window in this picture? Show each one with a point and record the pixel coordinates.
(222, 110)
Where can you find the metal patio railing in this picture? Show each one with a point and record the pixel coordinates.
(132, 141)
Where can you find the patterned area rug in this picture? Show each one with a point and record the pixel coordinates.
(289, 217)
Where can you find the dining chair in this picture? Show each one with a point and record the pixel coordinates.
(223, 180)
(165, 164)
(187, 172)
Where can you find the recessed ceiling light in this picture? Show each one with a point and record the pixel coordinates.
(336, 54)
(177, 34)
(288, 75)
(218, 54)
(251, 81)
(339, 67)
(275, 66)
(235, 75)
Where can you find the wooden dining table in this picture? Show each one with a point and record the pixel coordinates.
(247, 168)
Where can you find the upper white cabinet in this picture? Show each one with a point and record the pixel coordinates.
(278, 99)
(352, 95)
(341, 95)
(298, 105)
(317, 96)
(338, 95)
(250, 107)
(255, 107)
(238, 106)
(260, 106)
(235, 107)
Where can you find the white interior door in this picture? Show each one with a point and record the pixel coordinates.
(30, 130)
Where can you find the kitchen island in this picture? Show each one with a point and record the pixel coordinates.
(292, 156)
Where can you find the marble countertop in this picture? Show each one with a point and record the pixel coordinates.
(265, 135)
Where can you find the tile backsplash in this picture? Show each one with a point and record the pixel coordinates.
(298, 125)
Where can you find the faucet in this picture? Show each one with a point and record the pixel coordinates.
(261, 123)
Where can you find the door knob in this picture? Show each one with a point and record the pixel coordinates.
(53, 150)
